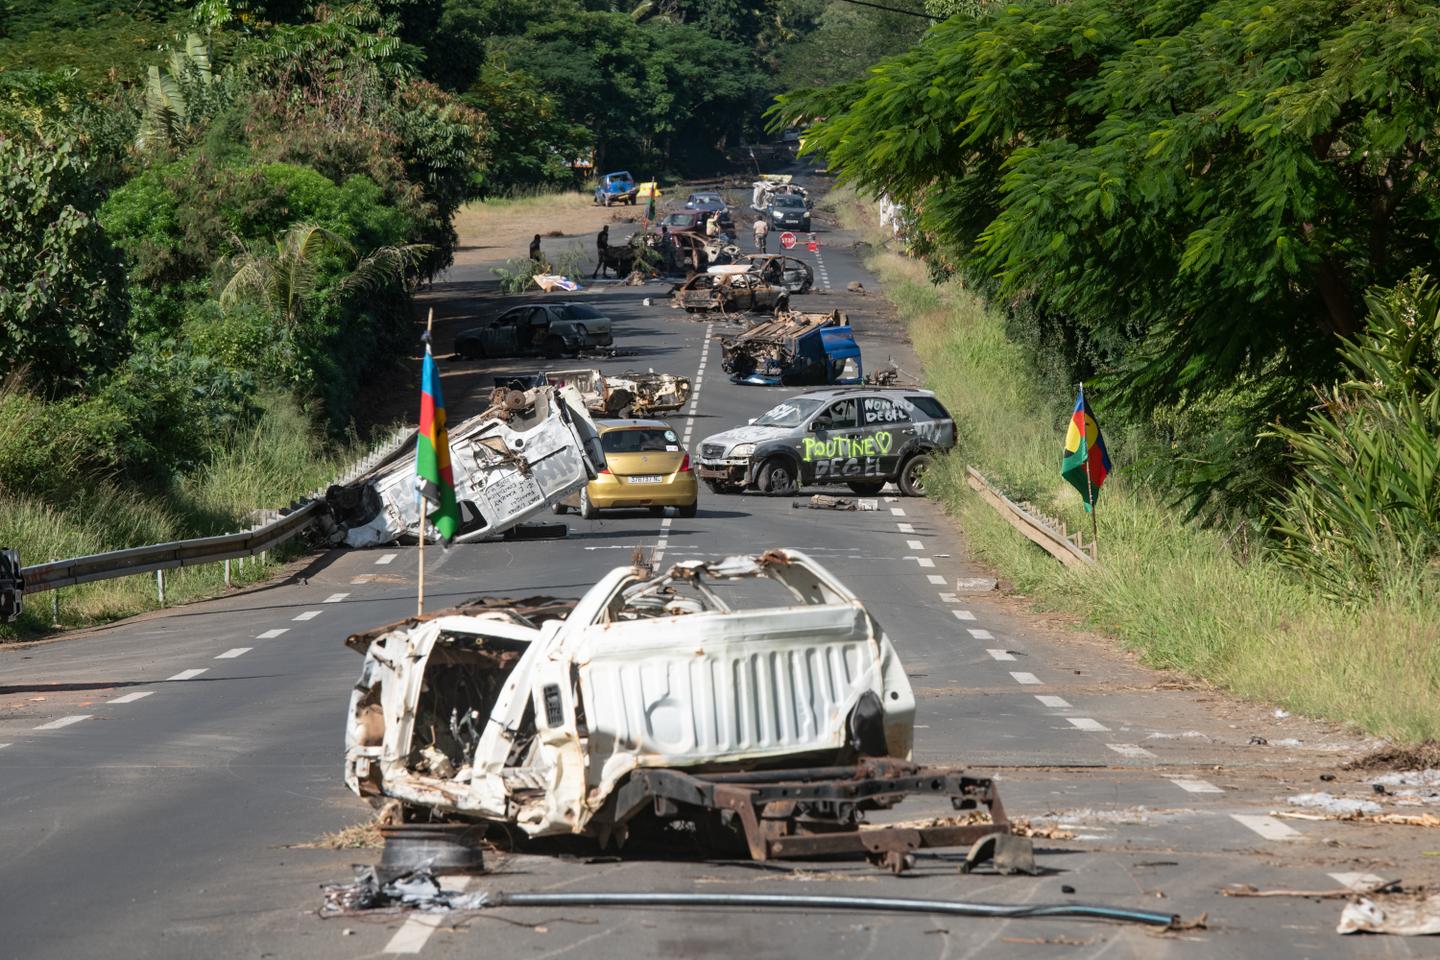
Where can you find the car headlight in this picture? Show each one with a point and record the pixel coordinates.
(741, 450)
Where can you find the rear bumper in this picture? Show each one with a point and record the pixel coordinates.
(610, 491)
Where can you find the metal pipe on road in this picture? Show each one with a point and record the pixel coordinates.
(785, 900)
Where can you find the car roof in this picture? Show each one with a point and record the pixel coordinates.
(824, 392)
(607, 426)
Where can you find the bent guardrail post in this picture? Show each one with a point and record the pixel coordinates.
(1034, 529)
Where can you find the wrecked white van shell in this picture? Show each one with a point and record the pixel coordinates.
(639, 674)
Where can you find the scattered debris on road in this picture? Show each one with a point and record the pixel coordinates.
(1337, 893)
(585, 721)
(822, 502)
(525, 452)
(630, 394)
(1413, 915)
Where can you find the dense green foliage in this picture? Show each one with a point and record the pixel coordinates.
(1182, 203)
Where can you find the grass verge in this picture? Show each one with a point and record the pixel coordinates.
(268, 465)
(1183, 597)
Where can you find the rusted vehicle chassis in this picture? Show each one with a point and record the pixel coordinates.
(809, 812)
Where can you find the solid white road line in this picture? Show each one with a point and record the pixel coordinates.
(1267, 827)
(1193, 785)
(914, 545)
(906, 527)
(385, 558)
(415, 931)
(925, 562)
(963, 614)
(234, 652)
(979, 634)
(188, 674)
(1000, 654)
(1028, 679)
(1357, 881)
(132, 697)
(1132, 750)
(64, 721)
(1055, 703)
(307, 615)
(1085, 723)
(272, 634)
(336, 597)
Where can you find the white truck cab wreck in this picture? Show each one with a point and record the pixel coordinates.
(661, 694)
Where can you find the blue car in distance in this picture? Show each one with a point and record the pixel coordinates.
(618, 187)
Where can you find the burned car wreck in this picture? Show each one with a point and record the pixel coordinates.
(794, 349)
(753, 698)
(629, 394)
(526, 451)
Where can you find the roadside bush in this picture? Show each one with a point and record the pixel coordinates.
(62, 294)
(1364, 511)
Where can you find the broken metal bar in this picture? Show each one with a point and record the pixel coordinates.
(785, 901)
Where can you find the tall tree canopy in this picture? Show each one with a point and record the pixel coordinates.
(1199, 188)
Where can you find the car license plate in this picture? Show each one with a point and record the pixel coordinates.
(646, 479)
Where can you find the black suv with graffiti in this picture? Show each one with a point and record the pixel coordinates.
(862, 437)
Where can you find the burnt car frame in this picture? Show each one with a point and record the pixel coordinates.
(730, 289)
(538, 329)
(792, 273)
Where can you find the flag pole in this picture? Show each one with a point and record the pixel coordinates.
(420, 589)
(1089, 491)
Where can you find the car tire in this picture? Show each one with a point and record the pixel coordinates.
(588, 510)
(657, 511)
(554, 347)
(690, 509)
(866, 488)
(912, 475)
(777, 478)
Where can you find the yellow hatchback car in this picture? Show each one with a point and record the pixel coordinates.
(645, 466)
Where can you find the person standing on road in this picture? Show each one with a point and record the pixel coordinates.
(762, 236)
(712, 225)
(535, 248)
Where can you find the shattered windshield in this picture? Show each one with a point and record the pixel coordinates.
(791, 413)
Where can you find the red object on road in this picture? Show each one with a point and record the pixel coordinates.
(787, 240)
(812, 244)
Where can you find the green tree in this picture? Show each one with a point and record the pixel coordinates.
(1200, 189)
(62, 290)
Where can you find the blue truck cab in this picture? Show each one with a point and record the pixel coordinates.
(618, 187)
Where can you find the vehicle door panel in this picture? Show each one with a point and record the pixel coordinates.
(832, 450)
(887, 426)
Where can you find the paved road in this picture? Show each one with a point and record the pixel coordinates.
(159, 779)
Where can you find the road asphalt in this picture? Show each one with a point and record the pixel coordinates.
(163, 781)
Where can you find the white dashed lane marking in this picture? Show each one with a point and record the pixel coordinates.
(1358, 881)
(190, 674)
(307, 615)
(272, 634)
(925, 562)
(132, 697)
(1192, 785)
(914, 545)
(897, 511)
(1028, 679)
(963, 614)
(1085, 723)
(935, 578)
(906, 527)
(416, 930)
(979, 634)
(233, 652)
(1267, 827)
(385, 558)
(1000, 654)
(1132, 750)
(336, 597)
(64, 721)
(1054, 703)
(3, 745)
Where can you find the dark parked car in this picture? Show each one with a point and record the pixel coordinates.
(546, 329)
(693, 221)
(859, 436)
(788, 212)
(705, 201)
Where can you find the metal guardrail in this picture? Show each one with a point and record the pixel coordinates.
(1055, 542)
(191, 553)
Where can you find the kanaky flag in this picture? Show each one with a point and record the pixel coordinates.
(1085, 464)
(435, 479)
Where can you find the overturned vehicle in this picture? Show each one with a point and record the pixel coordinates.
(524, 453)
(771, 725)
(625, 395)
(794, 349)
